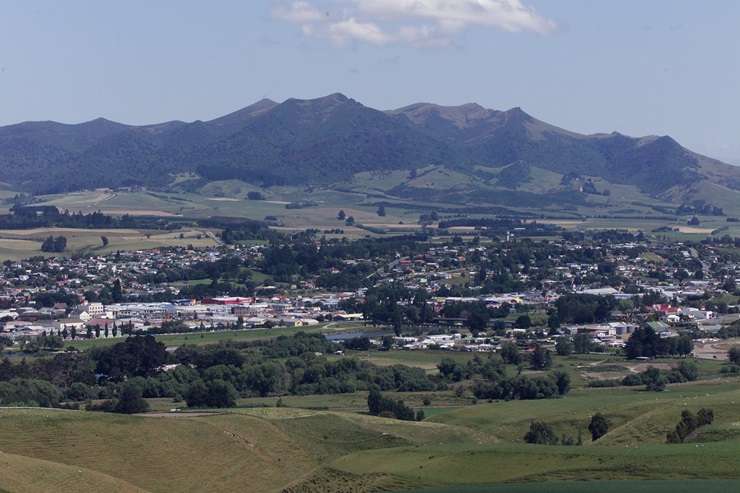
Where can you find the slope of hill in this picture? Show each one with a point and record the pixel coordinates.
(331, 139)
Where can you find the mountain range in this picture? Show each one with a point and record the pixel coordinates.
(330, 139)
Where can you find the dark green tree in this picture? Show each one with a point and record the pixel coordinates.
(541, 433)
(599, 426)
(130, 401)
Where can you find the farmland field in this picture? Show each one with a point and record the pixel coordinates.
(358, 198)
(22, 243)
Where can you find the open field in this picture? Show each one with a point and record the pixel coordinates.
(426, 360)
(716, 350)
(357, 197)
(645, 486)
(22, 243)
(215, 337)
(334, 446)
(637, 416)
(26, 474)
(267, 450)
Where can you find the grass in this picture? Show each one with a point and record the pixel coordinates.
(19, 244)
(645, 486)
(459, 447)
(216, 337)
(267, 450)
(358, 401)
(214, 453)
(22, 474)
(636, 416)
(426, 360)
(488, 464)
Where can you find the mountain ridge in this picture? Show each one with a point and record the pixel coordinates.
(329, 139)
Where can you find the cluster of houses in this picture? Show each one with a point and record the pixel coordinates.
(116, 319)
(152, 274)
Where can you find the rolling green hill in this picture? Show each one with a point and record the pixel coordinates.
(475, 448)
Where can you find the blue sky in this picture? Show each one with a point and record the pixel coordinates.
(640, 67)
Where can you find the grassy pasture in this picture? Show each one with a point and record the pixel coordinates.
(644, 486)
(215, 337)
(488, 464)
(263, 451)
(637, 416)
(474, 448)
(21, 474)
(19, 244)
(426, 360)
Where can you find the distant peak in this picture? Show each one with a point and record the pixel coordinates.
(263, 103)
(336, 97)
(517, 111)
(463, 116)
(100, 122)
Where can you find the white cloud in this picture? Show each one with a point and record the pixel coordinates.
(454, 15)
(415, 22)
(298, 13)
(351, 29)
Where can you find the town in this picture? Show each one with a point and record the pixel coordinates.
(463, 293)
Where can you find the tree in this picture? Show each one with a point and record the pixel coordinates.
(54, 244)
(341, 215)
(689, 423)
(380, 406)
(654, 380)
(374, 399)
(477, 321)
(510, 353)
(734, 355)
(450, 369)
(130, 401)
(117, 291)
(104, 240)
(582, 343)
(541, 433)
(642, 343)
(139, 356)
(221, 394)
(684, 345)
(562, 380)
(214, 393)
(564, 346)
(599, 426)
(540, 358)
(523, 322)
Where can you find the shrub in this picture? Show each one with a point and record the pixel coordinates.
(599, 426)
(130, 401)
(540, 433)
